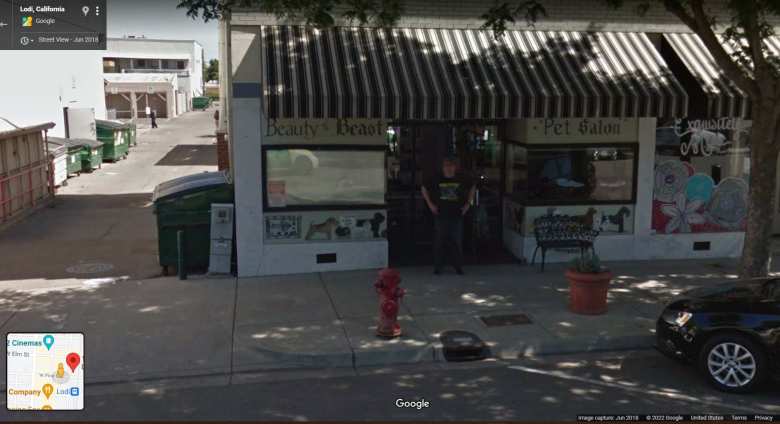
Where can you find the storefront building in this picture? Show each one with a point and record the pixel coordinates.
(333, 131)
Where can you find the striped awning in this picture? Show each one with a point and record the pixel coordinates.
(723, 97)
(443, 74)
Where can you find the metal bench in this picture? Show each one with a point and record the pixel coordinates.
(562, 232)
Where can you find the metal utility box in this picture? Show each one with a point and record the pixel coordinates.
(185, 204)
(221, 238)
(113, 134)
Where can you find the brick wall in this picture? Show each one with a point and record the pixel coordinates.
(223, 151)
(582, 15)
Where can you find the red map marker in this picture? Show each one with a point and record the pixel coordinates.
(73, 361)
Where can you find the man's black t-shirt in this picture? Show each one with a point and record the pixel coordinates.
(449, 194)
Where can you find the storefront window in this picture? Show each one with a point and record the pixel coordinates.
(571, 174)
(702, 168)
(516, 172)
(314, 177)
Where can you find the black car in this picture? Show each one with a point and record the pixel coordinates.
(731, 331)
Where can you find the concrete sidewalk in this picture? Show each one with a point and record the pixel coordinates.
(163, 328)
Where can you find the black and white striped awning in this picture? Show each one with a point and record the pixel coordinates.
(463, 74)
(723, 97)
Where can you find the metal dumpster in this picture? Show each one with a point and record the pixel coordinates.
(74, 153)
(59, 162)
(91, 154)
(201, 102)
(114, 138)
(132, 131)
(185, 204)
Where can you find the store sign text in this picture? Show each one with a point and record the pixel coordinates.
(582, 127)
(311, 129)
(706, 135)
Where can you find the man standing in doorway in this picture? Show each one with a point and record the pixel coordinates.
(449, 197)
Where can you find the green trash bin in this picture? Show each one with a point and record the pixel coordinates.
(75, 152)
(185, 204)
(201, 102)
(91, 153)
(113, 134)
(132, 130)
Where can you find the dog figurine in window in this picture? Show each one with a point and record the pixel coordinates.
(326, 228)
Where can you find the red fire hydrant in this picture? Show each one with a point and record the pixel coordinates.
(389, 302)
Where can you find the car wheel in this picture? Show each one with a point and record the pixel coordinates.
(733, 363)
(303, 165)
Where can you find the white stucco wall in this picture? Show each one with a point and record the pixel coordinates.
(35, 86)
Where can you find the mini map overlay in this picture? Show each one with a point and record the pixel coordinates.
(45, 371)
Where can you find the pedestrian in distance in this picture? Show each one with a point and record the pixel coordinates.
(449, 197)
(153, 115)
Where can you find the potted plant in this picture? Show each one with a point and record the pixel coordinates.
(588, 285)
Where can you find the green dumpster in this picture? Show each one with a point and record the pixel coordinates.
(114, 138)
(185, 204)
(132, 131)
(201, 102)
(74, 153)
(91, 153)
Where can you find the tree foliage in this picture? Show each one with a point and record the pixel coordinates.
(211, 70)
(318, 13)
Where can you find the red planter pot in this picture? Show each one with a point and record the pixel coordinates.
(588, 292)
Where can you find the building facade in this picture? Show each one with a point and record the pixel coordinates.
(627, 125)
(180, 58)
(38, 86)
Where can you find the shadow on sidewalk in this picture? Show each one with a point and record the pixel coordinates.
(190, 154)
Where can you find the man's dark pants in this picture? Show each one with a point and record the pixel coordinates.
(448, 237)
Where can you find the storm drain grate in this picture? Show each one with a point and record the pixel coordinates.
(505, 320)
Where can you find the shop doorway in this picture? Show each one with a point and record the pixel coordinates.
(415, 154)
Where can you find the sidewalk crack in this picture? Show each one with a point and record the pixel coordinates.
(341, 321)
(233, 329)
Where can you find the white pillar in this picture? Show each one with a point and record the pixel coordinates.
(133, 106)
(247, 139)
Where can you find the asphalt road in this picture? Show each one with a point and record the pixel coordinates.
(549, 388)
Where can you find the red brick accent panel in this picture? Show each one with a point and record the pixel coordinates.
(223, 154)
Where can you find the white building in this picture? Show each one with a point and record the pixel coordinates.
(151, 56)
(37, 86)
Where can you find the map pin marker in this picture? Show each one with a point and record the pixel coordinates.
(73, 361)
(47, 389)
(48, 341)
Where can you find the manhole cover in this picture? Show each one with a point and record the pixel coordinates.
(89, 268)
(459, 345)
(505, 320)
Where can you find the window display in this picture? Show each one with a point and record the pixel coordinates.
(702, 169)
(548, 175)
(323, 177)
